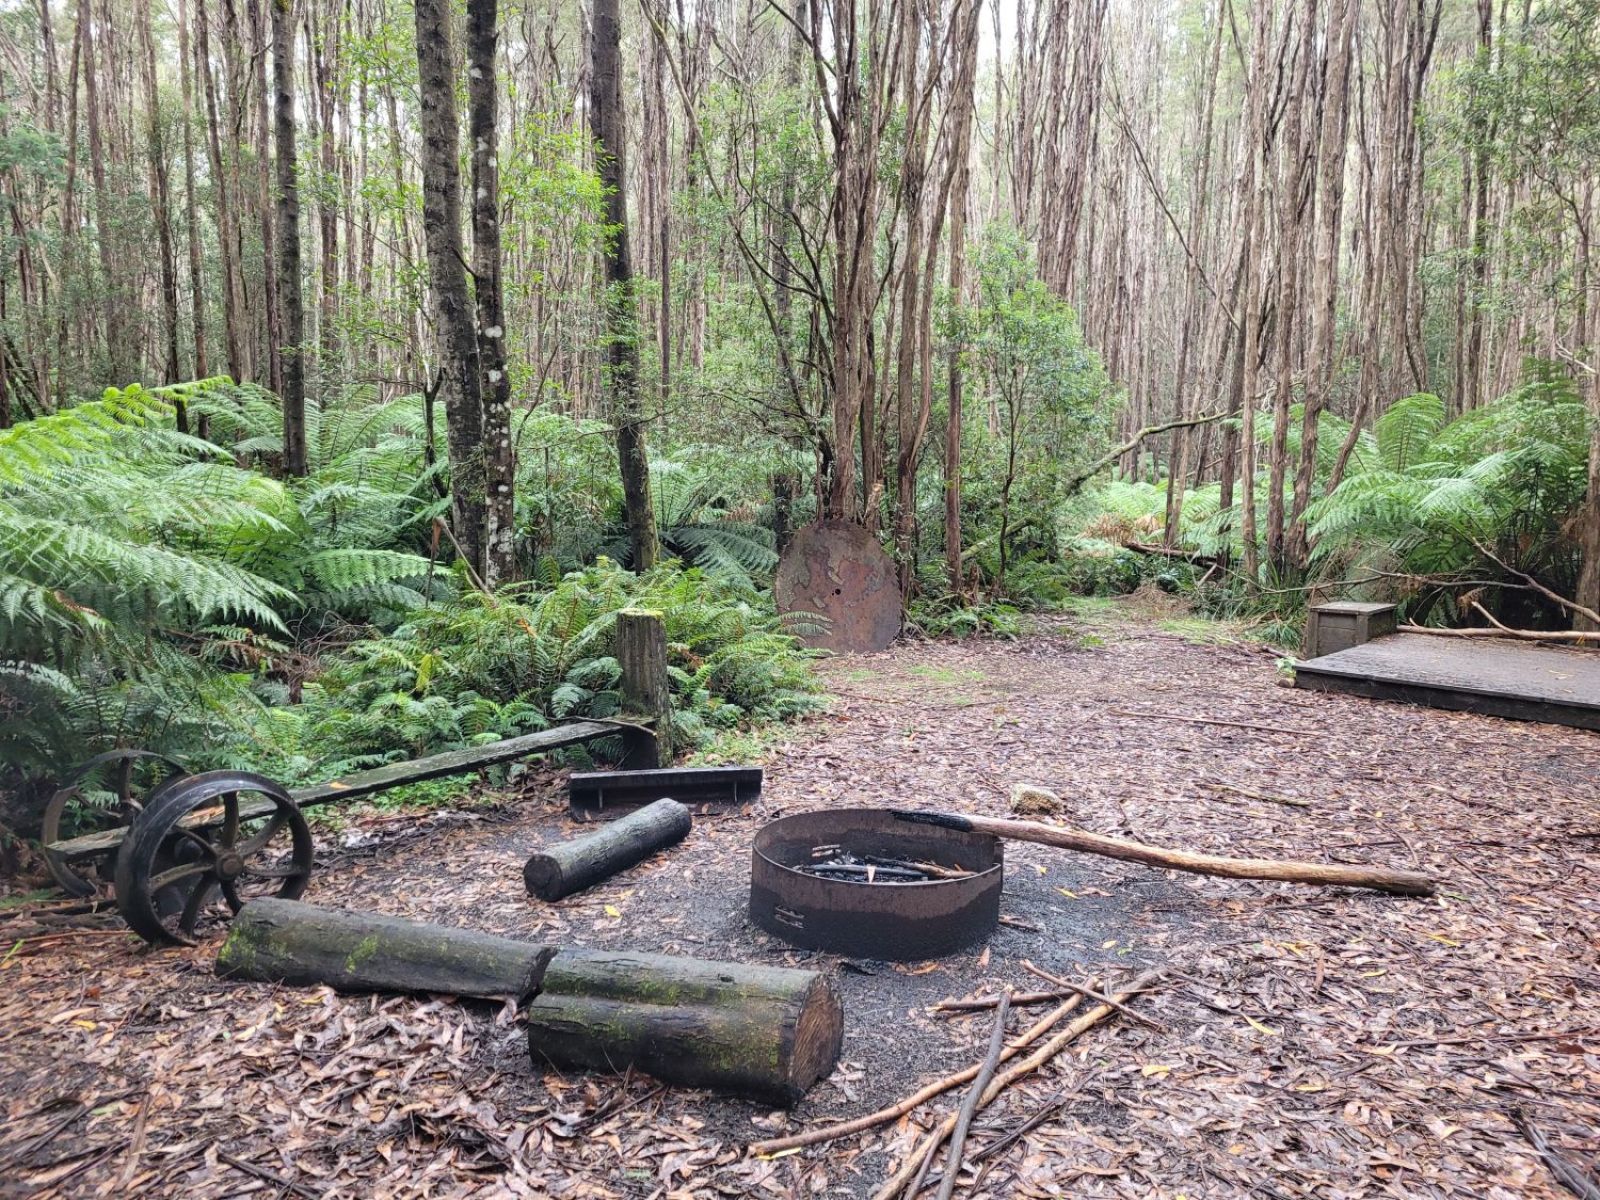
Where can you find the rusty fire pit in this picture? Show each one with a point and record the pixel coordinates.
(857, 881)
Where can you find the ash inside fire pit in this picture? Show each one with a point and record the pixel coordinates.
(857, 881)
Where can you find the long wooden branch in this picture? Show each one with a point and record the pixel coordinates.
(897, 1184)
(1575, 636)
(1383, 879)
(969, 1106)
(1081, 477)
(830, 1133)
(1547, 593)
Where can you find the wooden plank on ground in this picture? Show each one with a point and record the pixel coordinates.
(371, 782)
(1495, 677)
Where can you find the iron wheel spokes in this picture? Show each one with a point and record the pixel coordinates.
(76, 810)
(230, 819)
(175, 875)
(194, 832)
(258, 841)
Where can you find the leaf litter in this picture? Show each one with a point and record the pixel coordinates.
(1311, 1042)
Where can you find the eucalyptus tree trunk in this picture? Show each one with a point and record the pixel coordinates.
(197, 291)
(622, 350)
(499, 457)
(1254, 251)
(271, 284)
(118, 360)
(961, 186)
(232, 320)
(1324, 263)
(161, 209)
(457, 340)
(1291, 212)
(288, 215)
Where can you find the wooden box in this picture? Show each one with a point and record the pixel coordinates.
(1346, 623)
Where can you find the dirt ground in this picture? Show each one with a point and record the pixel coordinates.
(1312, 1042)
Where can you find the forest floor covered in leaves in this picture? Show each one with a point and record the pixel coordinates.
(1312, 1042)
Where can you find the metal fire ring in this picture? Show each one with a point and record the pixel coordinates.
(900, 922)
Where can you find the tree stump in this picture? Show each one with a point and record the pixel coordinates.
(641, 651)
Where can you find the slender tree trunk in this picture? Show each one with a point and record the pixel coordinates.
(459, 376)
(271, 286)
(197, 293)
(118, 362)
(959, 198)
(622, 353)
(1325, 263)
(232, 320)
(161, 204)
(288, 213)
(499, 457)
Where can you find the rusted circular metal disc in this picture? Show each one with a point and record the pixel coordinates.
(837, 570)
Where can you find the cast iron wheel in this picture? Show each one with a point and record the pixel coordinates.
(229, 832)
(108, 792)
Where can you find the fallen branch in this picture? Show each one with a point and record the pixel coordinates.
(1575, 1179)
(1076, 480)
(956, 1008)
(832, 1133)
(1189, 556)
(969, 1106)
(1284, 800)
(1383, 879)
(1560, 600)
(1124, 712)
(1090, 994)
(1027, 1066)
(1527, 635)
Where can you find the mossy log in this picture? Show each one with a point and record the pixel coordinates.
(569, 867)
(286, 941)
(767, 1032)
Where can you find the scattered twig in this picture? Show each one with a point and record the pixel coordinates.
(1150, 716)
(896, 1184)
(1575, 1179)
(136, 1144)
(266, 1176)
(975, 1004)
(969, 1106)
(1091, 994)
(1290, 801)
(830, 1133)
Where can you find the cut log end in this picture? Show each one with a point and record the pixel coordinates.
(818, 1037)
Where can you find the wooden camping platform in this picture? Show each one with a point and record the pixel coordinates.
(1496, 676)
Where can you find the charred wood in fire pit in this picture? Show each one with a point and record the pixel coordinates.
(874, 868)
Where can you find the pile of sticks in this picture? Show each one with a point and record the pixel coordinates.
(832, 862)
(1025, 1054)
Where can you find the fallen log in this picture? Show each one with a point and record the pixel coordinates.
(762, 1031)
(569, 867)
(1383, 879)
(287, 941)
(768, 1032)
